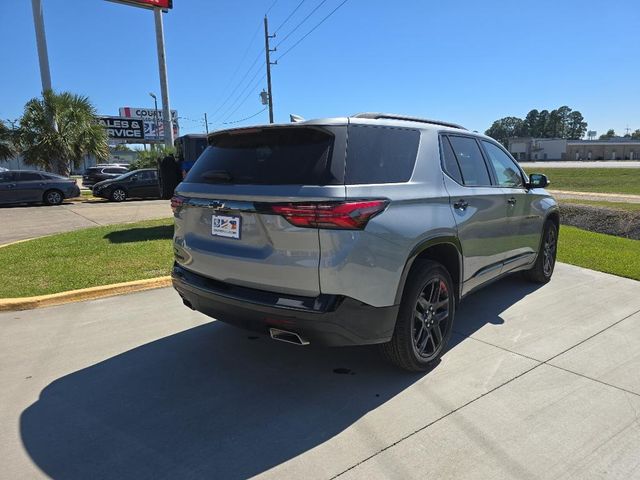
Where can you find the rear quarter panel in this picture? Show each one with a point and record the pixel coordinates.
(368, 265)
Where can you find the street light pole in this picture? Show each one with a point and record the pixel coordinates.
(167, 121)
(41, 41)
(155, 115)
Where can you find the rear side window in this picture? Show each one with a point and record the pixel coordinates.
(272, 156)
(115, 170)
(380, 154)
(449, 161)
(467, 153)
(28, 176)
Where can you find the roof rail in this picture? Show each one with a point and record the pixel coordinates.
(393, 116)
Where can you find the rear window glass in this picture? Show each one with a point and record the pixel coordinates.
(380, 154)
(273, 156)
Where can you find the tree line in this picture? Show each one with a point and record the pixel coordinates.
(563, 122)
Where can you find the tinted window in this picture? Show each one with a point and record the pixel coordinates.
(467, 152)
(274, 156)
(507, 172)
(53, 176)
(115, 170)
(449, 161)
(147, 175)
(380, 154)
(28, 176)
(6, 176)
(90, 171)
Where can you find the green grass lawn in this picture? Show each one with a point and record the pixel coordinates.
(599, 180)
(605, 253)
(87, 258)
(121, 253)
(627, 207)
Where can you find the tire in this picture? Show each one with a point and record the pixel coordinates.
(118, 195)
(425, 319)
(52, 197)
(542, 270)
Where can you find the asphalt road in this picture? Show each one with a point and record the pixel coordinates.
(23, 222)
(539, 383)
(583, 164)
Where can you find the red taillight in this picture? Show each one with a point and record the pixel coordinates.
(336, 215)
(176, 202)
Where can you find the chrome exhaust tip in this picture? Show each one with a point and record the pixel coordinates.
(288, 337)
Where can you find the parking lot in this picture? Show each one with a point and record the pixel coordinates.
(36, 221)
(540, 382)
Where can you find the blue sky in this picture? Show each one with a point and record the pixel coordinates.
(466, 61)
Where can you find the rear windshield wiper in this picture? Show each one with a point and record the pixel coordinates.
(218, 176)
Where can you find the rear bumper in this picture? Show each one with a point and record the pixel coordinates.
(329, 320)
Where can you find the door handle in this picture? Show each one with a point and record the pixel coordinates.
(461, 204)
(512, 201)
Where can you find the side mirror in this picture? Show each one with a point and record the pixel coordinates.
(538, 180)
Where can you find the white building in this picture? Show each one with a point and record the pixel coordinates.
(528, 148)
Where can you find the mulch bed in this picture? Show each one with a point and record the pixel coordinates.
(601, 220)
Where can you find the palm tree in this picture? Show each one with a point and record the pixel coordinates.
(6, 142)
(58, 130)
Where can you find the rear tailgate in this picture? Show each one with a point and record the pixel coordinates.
(224, 229)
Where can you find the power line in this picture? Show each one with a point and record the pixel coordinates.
(240, 84)
(251, 91)
(311, 31)
(300, 24)
(290, 15)
(249, 88)
(244, 55)
(246, 118)
(272, 5)
(226, 113)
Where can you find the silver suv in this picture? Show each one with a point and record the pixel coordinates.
(361, 230)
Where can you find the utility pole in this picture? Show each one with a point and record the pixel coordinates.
(267, 51)
(206, 123)
(41, 41)
(167, 121)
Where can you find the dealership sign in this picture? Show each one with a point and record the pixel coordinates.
(164, 4)
(122, 128)
(148, 117)
(146, 113)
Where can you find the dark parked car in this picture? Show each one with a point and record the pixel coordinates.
(139, 183)
(27, 186)
(94, 175)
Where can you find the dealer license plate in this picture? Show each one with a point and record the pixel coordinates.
(225, 226)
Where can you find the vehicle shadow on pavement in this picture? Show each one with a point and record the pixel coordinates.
(486, 305)
(159, 232)
(215, 402)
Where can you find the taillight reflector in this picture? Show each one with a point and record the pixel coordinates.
(334, 215)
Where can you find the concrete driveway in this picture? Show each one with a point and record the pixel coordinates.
(20, 223)
(539, 383)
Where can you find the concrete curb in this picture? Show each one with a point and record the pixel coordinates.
(92, 293)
